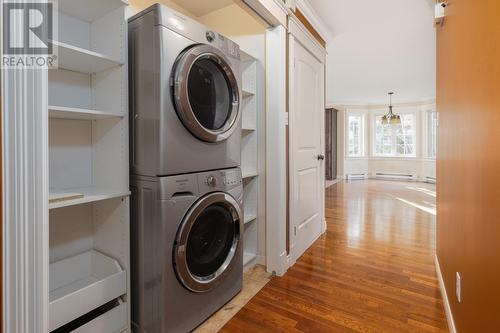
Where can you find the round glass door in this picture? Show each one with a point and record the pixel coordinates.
(206, 93)
(208, 241)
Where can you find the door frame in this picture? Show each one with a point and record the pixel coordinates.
(25, 234)
(331, 142)
(276, 162)
(297, 33)
(25, 200)
(277, 159)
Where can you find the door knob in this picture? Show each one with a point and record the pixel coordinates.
(321, 157)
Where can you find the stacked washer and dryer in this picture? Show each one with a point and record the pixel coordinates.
(187, 191)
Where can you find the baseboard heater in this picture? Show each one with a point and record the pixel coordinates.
(395, 176)
(431, 180)
(357, 176)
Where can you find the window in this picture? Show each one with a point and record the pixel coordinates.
(355, 136)
(398, 140)
(431, 133)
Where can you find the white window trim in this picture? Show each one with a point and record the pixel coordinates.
(363, 133)
(416, 147)
(427, 133)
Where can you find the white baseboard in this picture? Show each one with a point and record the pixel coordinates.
(356, 176)
(290, 260)
(329, 183)
(394, 176)
(447, 308)
(283, 265)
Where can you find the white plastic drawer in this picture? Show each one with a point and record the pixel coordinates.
(81, 284)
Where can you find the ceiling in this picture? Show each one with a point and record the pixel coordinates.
(376, 46)
(202, 7)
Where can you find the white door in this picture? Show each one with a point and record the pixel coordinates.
(306, 120)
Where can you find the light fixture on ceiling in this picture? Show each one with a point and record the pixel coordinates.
(391, 118)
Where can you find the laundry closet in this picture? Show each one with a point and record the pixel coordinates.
(89, 132)
(195, 106)
(238, 24)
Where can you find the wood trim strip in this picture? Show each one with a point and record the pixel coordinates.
(309, 27)
(287, 143)
(1, 207)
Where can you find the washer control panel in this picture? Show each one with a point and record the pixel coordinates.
(232, 177)
(220, 180)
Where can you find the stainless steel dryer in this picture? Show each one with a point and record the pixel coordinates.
(184, 95)
(187, 248)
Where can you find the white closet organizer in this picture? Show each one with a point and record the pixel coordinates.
(251, 148)
(88, 170)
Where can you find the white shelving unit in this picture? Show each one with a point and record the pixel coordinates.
(252, 151)
(82, 283)
(88, 160)
(64, 112)
(89, 195)
(77, 59)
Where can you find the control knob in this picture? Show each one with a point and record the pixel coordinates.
(212, 181)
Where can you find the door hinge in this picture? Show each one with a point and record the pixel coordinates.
(295, 231)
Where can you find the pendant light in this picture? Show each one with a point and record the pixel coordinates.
(391, 118)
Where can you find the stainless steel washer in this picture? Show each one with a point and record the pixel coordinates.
(184, 95)
(187, 250)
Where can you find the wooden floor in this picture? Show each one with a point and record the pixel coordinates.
(373, 271)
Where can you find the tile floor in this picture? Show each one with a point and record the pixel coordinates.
(253, 281)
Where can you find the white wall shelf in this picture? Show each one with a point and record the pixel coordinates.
(84, 61)
(250, 174)
(88, 155)
(89, 195)
(82, 283)
(89, 10)
(246, 57)
(64, 112)
(247, 93)
(250, 218)
(253, 146)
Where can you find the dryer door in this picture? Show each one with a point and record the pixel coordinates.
(208, 242)
(206, 93)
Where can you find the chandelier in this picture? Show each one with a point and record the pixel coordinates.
(391, 118)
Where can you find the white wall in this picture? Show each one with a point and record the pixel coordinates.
(421, 165)
(379, 46)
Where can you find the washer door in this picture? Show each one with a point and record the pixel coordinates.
(206, 93)
(208, 242)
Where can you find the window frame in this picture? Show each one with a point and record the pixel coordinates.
(394, 149)
(431, 124)
(362, 136)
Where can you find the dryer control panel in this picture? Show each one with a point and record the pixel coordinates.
(195, 31)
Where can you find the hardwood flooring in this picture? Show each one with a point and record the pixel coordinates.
(372, 271)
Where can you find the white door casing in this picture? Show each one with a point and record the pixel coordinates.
(276, 180)
(306, 125)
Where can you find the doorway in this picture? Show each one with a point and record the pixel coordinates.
(330, 145)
